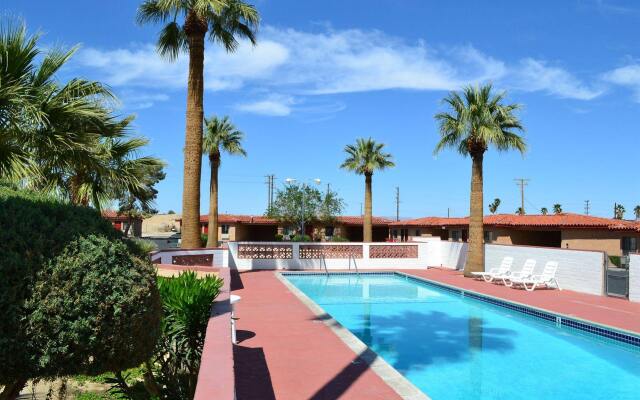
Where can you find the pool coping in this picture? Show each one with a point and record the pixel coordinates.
(394, 379)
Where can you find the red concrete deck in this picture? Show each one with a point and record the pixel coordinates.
(286, 353)
(615, 312)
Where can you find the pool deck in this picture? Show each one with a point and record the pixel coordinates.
(611, 311)
(286, 352)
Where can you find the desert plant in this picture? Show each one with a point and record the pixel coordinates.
(187, 23)
(186, 303)
(477, 119)
(364, 158)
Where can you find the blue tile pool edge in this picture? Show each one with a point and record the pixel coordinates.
(602, 330)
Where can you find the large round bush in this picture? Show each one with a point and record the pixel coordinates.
(73, 297)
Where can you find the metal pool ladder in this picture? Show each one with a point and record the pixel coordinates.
(323, 261)
(352, 257)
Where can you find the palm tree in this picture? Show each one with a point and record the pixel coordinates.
(477, 120)
(519, 211)
(364, 158)
(220, 135)
(493, 207)
(187, 23)
(618, 211)
(557, 208)
(544, 211)
(636, 211)
(39, 116)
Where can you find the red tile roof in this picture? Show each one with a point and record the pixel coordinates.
(262, 220)
(564, 220)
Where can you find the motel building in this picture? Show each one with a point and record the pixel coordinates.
(120, 222)
(257, 228)
(566, 230)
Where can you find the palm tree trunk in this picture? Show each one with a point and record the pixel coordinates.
(195, 29)
(475, 258)
(212, 238)
(367, 234)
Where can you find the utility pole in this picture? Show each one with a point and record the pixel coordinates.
(270, 190)
(397, 203)
(586, 207)
(448, 212)
(522, 182)
(361, 210)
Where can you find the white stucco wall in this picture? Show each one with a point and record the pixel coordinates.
(634, 278)
(581, 271)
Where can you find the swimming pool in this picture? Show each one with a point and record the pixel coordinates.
(459, 347)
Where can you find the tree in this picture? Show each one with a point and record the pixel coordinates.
(557, 208)
(493, 207)
(519, 211)
(139, 203)
(364, 158)
(636, 211)
(220, 136)
(478, 119)
(619, 211)
(544, 211)
(75, 298)
(42, 120)
(300, 204)
(186, 24)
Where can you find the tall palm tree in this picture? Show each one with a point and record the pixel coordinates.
(557, 208)
(478, 119)
(636, 211)
(220, 136)
(187, 22)
(544, 211)
(364, 158)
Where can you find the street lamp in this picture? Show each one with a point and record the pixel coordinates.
(317, 181)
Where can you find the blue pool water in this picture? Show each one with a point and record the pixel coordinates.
(454, 347)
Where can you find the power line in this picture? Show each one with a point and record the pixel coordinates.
(586, 207)
(522, 182)
(397, 203)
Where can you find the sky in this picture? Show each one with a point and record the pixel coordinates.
(324, 73)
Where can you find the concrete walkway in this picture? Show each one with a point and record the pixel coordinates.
(286, 353)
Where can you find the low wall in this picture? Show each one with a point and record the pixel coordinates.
(580, 271)
(218, 257)
(294, 255)
(216, 378)
(634, 277)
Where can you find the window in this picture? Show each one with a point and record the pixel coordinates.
(418, 232)
(328, 231)
(629, 245)
(225, 229)
(455, 236)
(488, 236)
(395, 233)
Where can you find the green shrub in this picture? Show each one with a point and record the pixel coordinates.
(203, 239)
(141, 247)
(301, 238)
(615, 260)
(278, 237)
(186, 303)
(42, 325)
(100, 301)
(339, 239)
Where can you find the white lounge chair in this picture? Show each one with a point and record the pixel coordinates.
(494, 273)
(546, 278)
(526, 271)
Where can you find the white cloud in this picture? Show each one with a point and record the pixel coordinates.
(628, 76)
(535, 75)
(306, 64)
(274, 105)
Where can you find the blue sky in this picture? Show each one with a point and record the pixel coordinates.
(325, 73)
